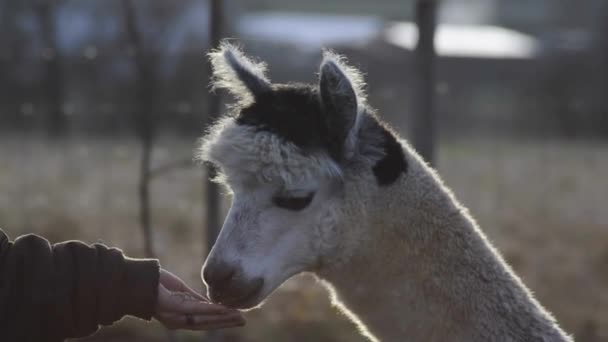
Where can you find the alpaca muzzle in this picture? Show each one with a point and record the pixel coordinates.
(229, 286)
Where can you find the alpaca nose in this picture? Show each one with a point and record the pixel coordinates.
(218, 275)
(230, 286)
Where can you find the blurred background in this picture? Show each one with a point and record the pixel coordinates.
(102, 102)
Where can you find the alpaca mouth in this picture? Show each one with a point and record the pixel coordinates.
(246, 301)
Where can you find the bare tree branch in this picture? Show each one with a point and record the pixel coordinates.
(144, 119)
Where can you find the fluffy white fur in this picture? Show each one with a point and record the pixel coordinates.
(351, 78)
(261, 154)
(406, 261)
(354, 77)
(225, 76)
(420, 269)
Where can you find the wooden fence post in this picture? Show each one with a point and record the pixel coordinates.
(212, 194)
(212, 197)
(424, 121)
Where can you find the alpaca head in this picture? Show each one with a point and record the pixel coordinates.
(283, 154)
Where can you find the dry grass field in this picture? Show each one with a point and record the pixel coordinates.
(544, 204)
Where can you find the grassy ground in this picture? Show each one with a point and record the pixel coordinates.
(542, 204)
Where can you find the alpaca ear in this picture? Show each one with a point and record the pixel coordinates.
(240, 75)
(340, 90)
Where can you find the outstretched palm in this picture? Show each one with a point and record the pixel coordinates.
(180, 307)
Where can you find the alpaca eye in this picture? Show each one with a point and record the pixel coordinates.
(292, 202)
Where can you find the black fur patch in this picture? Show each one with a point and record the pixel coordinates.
(388, 169)
(294, 113)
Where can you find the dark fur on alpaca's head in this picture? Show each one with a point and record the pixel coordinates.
(325, 117)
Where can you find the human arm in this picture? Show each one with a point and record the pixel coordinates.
(51, 292)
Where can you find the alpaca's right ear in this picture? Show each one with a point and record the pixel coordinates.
(341, 94)
(241, 76)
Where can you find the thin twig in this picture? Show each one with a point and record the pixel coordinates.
(144, 119)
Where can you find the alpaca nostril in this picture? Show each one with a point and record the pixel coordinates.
(218, 275)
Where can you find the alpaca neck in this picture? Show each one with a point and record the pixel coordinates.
(424, 272)
(392, 289)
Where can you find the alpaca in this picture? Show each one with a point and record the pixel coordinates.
(319, 184)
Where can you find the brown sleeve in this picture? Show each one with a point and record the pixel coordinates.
(48, 293)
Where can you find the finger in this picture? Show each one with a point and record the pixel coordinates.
(215, 326)
(176, 321)
(175, 283)
(220, 326)
(194, 320)
(237, 316)
(189, 321)
(184, 303)
(196, 294)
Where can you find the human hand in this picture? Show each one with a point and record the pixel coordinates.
(180, 307)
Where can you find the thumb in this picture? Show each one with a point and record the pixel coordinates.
(173, 283)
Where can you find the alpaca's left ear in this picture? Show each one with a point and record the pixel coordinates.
(241, 76)
(341, 94)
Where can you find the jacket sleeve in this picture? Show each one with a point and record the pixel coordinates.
(51, 292)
